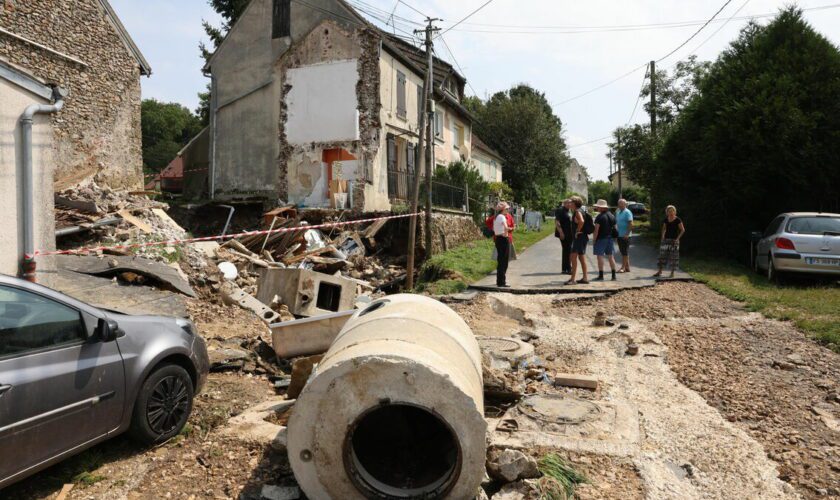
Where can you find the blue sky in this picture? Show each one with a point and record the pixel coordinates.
(560, 47)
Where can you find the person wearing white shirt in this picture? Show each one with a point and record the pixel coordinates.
(501, 237)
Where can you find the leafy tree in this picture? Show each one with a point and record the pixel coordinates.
(166, 127)
(458, 174)
(762, 136)
(635, 148)
(675, 90)
(599, 190)
(230, 10)
(501, 190)
(521, 126)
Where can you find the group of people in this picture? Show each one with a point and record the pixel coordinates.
(573, 225)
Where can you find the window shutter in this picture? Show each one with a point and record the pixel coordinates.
(410, 156)
(400, 95)
(281, 20)
(419, 103)
(392, 153)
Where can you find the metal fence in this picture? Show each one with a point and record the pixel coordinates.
(401, 186)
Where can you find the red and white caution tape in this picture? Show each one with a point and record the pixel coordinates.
(213, 238)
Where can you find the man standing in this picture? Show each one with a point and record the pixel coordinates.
(501, 235)
(604, 225)
(563, 230)
(624, 222)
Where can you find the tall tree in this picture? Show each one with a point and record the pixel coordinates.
(521, 126)
(166, 128)
(762, 136)
(230, 10)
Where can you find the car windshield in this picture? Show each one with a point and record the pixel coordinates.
(814, 225)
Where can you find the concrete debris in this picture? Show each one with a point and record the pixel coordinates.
(398, 399)
(505, 352)
(600, 319)
(229, 271)
(306, 293)
(520, 490)
(509, 465)
(272, 492)
(301, 370)
(308, 335)
(232, 294)
(130, 268)
(574, 380)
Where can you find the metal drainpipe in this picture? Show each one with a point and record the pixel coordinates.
(28, 262)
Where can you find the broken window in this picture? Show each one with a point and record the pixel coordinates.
(281, 19)
(400, 95)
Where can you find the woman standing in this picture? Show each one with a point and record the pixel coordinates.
(669, 241)
(501, 238)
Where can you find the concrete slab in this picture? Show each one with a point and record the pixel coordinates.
(127, 299)
(538, 270)
(305, 292)
(251, 425)
(114, 264)
(575, 380)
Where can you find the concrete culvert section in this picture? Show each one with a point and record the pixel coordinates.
(395, 408)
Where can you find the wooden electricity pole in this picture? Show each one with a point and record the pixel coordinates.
(653, 99)
(425, 120)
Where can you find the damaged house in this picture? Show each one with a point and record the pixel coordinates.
(82, 46)
(313, 105)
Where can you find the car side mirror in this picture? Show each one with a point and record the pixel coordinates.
(108, 330)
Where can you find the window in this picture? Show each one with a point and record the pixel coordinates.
(400, 95)
(29, 322)
(818, 225)
(281, 19)
(439, 124)
(457, 136)
(774, 226)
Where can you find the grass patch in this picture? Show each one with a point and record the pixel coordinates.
(815, 309)
(559, 478)
(452, 271)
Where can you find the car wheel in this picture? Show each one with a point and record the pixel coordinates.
(163, 405)
(773, 275)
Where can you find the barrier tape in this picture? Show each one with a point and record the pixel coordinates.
(186, 241)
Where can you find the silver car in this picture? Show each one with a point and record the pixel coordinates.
(799, 242)
(73, 375)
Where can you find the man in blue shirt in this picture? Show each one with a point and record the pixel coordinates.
(624, 222)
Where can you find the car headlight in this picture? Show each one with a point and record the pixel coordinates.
(186, 325)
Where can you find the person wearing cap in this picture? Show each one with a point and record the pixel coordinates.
(603, 236)
(501, 238)
(624, 224)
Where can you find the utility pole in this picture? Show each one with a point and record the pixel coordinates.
(424, 121)
(653, 99)
(430, 141)
(610, 154)
(618, 164)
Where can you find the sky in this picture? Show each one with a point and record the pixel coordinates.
(560, 47)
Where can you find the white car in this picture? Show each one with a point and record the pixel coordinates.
(799, 242)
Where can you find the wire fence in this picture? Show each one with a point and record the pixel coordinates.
(401, 187)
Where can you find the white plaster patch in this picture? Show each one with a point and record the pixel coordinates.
(322, 103)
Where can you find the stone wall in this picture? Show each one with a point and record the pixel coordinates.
(577, 180)
(98, 131)
(449, 229)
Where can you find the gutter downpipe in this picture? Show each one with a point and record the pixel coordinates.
(28, 264)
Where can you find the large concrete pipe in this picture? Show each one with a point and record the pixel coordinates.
(395, 408)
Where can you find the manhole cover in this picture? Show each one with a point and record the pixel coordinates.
(498, 344)
(555, 408)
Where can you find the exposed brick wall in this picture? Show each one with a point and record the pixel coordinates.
(98, 131)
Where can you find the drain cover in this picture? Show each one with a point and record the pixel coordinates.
(498, 344)
(555, 408)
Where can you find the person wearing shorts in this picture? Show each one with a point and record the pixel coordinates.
(624, 224)
(603, 246)
(581, 239)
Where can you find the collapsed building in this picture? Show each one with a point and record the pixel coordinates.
(313, 105)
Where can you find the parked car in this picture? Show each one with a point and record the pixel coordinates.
(73, 375)
(636, 208)
(799, 242)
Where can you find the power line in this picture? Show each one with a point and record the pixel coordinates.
(599, 87)
(412, 8)
(589, 142)
(639, 98)
(572, 29)
(696, 32)
(457, 65)
(485, 4)
(720, 28)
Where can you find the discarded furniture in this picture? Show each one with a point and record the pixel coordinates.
(305, 292)
(394, 409)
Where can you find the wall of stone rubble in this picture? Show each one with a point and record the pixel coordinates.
(98, 131)
(449, 229)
